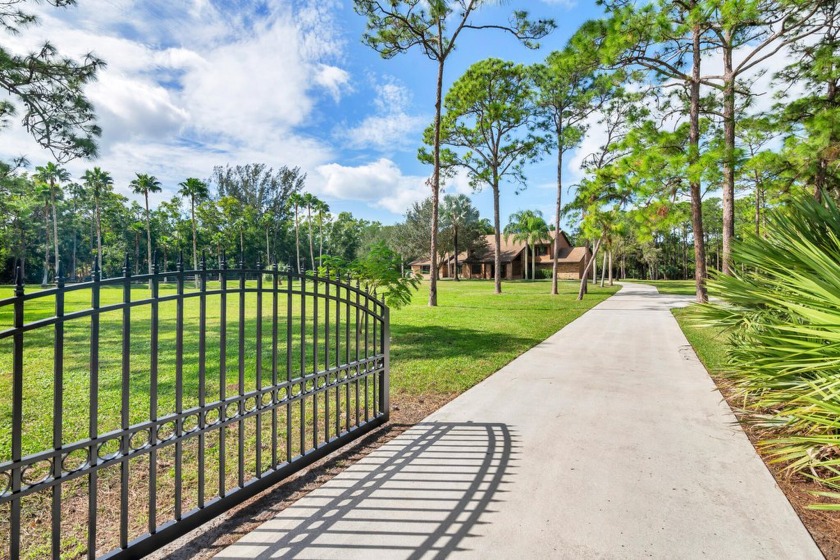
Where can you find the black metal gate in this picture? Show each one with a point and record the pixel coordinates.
(135, 408)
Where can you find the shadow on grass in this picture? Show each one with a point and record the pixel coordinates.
(435, 342)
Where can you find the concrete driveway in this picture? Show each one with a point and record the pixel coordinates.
(608, 440)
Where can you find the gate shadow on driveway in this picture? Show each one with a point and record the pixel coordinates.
(418, 496)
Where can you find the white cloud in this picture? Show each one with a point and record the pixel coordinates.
(333, 79)
(194, 84)
(392, 127)
(380, 183)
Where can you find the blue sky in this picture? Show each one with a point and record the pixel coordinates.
(195, 83)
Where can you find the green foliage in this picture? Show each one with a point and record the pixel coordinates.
(490, 119)
(782, 312)
(51, 89)
(379, 271)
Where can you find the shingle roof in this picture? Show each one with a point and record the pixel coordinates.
(510, 250)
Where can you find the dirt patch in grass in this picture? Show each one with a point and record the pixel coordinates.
(209, 539)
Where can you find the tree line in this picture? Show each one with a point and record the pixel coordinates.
(50, 221)
(673, 84)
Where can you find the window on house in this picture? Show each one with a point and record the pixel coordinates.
(476, 269)
(542, 250)
(425, 269)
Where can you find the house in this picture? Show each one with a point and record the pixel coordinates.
(571, 260)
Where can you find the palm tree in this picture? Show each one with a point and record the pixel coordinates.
(78, 193)
(528, 226)
(144, 184)
(43, 191)
(456, 213)
(296, 200)
(309, 200)
(53, 175)
(98, 182)
(195, 190)
(321, 208)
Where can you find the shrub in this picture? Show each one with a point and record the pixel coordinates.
(783, 315)
(379, 270)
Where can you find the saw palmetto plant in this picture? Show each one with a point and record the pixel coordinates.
(781, 309)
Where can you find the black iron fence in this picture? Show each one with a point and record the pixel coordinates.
(135, 408)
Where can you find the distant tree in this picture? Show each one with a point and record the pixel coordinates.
(98, 182)
(528, 226)
(264, 195)
(196, 191)
(322, 210)
(43, 192)
(490, 118)
(296, 201)
(397, 26)
(144, 184)
(812, 120)
(343, 236)
(666, 38)
(459, 215)
(51, 89)
(412, 232)
(53, 175)
(77, 193)
(757, 30)
(570, 89)
(309, 200)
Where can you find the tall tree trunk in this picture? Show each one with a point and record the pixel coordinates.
(823, 163)
(137, 254)
(757, 206)
(148, 234)
(436, 191)
(533, 261)
(73, 260)
(525, 270)
(591, 264)
(98, 235)
(594, 268)
(46, 277)
(694, 152)
(311, 246)
(195, 241)
(55, 227)
(456, 255)
(297, 236)
(555, 265)
(497, 274)
(611, 268)
(728, 155)
(320, 238)
(603, 268)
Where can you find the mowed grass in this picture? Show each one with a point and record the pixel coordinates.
(473, 332)
(671, 287)
(708, 342)
(434, 351)
(438, 350)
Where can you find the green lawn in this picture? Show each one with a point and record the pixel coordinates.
(709, 342)
(441, 350)
(434, 351)
(670, 287)
(472, 332)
